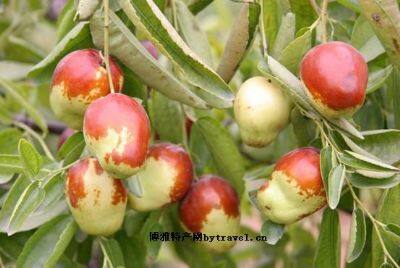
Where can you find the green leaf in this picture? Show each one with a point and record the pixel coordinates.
(112, 252)
(361, 181)
(271, 16)
(11, 200)
(223, 149)
(239, 41)
(195, 6)
(65, 21)
(376, 79)
(261, 171)
(359, 161)
(14, 70)
(48, 243)
(392, 232)
(384, 16)
(388, 212)
(384, 144)
(146, 16)
(364, 39)
(328, 246)
(326, 164)
(285, 35)
(29, 201)
(357, 235)
(77, 38)
(9, 139)
(335, 182)
(86, 9)
(133, 251)
(163, 112)
(305, 14)
(272, 231)
(32, 160)
(351, 4)
(345, 125)
(10, 89)
(130, 52)
(10, 164)
(196, 39)
(72, 148)
(292, 55)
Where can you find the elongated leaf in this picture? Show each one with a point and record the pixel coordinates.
(384, 16)
(285, 34)
(86, 8)
(305, 14)
(146, 16)
(65, 21)
(292, 55)
(28, 202)
(11, 200)
(191, 31)
(271, 16)
(336, 178)
(112, 253)
(77, 38)
(32, 160)
(376, 79)
(9, 88)
(359, 161)
(14, 70)
(326, 164)
(10, 164)
(364, 39)
(345, 125)
(392, 231)
(48, 243)
(388, 212)
(131, 52)
(328, 247)
(164, 111)
(72, 148)
(361, 181)
(351, 4)
(223, 149)
(272, 231)
(357, 235)
(240, 39)
(259, 172)
(196, 6)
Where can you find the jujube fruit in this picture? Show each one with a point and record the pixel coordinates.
(79, 79)
(211, 207)
(165, 177)
(335, 76)
(295, 190)
(117, 131)
(97, 201)
(261, 110)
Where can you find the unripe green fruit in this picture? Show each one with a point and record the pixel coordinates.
(97, 201)
(211, 207)
(79, 79)
(117, 131)
(335, 76)
(295, 190)
(261, 110)
(165, 177)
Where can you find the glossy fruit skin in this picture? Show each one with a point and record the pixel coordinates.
(165, 178)
(296, 188)
(97, 201)
(150, 48)
(336, 76)
(117, 131)
(79, 79)
(261, 110)
(211, 207)
(68, 132)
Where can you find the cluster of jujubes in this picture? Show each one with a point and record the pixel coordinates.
(335, 77)
(116, 129)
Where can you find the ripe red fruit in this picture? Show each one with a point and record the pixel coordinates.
(165, 177)
(117, 131)
(78, 80)
(97, 201)
(211, 207)
(295, 190)
(150, 48)
(68, 132)
(336, 76)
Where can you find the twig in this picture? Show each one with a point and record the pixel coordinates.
(324, 20)
(106, 5)
(315, 6)
(262, 30)
(37, 137)
(54, 127)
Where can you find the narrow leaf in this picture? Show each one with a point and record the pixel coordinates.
(112, 253)
(336, 178)
(72, 148)
(32, 160)
(357, 235)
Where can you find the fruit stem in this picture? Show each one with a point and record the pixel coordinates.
(106, 5)
(324, 20)
(37, 137)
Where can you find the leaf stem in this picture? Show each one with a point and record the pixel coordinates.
(37, 137)
(106, 5)
(324, 20)
(262, 30)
